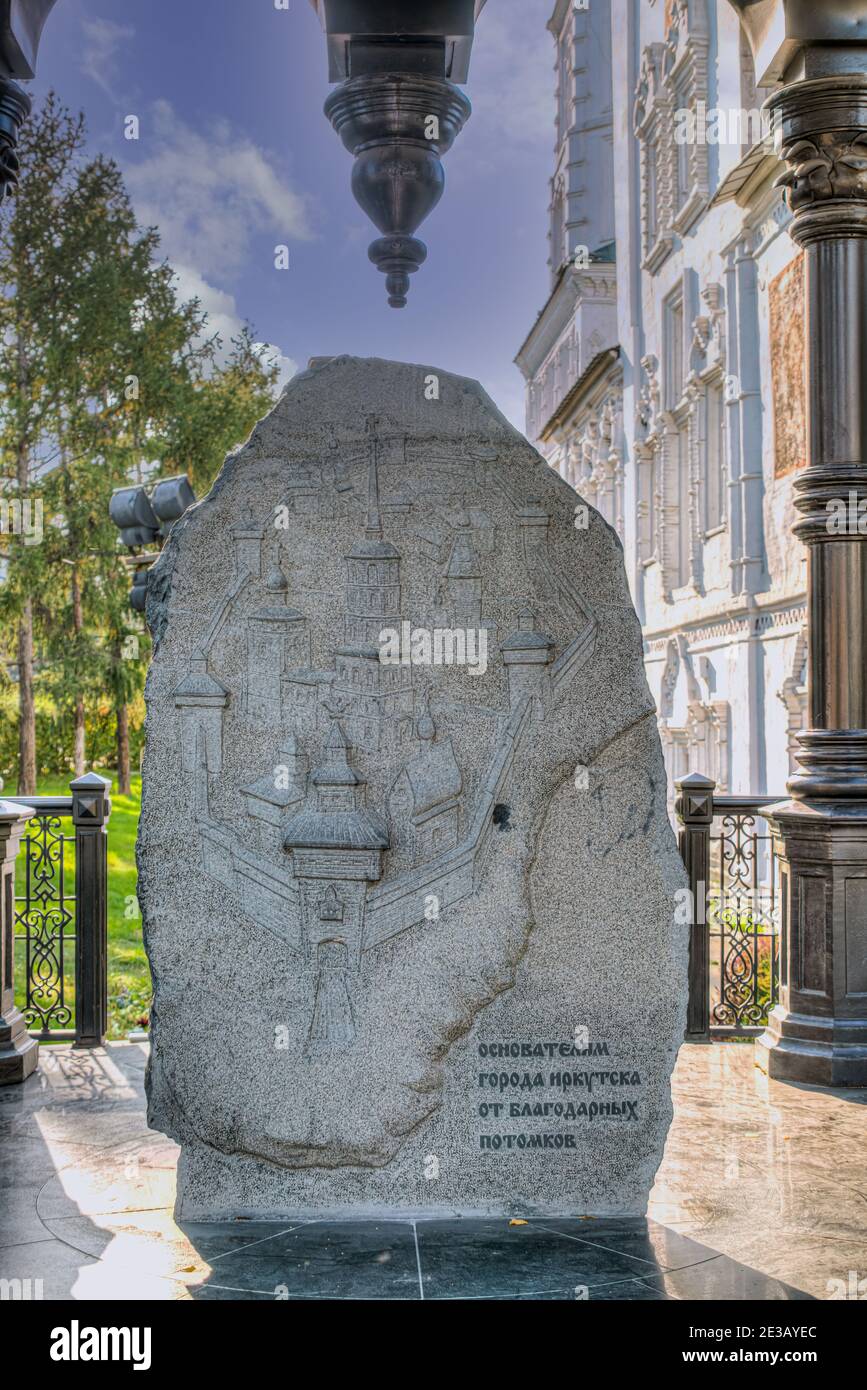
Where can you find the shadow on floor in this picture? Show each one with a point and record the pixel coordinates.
(553, 1259)
(759, 1197)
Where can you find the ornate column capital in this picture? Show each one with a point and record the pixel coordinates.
(820, 129)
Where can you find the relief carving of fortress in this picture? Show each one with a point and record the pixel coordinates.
(375, 809)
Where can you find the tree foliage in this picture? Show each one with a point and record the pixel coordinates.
(106, 378)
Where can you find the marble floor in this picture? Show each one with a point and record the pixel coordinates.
(762, 1194)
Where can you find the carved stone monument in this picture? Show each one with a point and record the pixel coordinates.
(407, 878)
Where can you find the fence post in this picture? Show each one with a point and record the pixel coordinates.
(19, 1053)
(694, 807)
(90, 811)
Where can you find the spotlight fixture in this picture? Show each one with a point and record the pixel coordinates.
(145, 519)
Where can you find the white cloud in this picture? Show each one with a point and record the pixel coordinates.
(102, 39)
(512, 72)
(287, 365)
(223, 318)
(210, 192)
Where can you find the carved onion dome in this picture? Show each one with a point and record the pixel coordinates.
(199, 686)
(425, 727)
(433, 773)
(276, 582)
(337, 822)
(277, 586)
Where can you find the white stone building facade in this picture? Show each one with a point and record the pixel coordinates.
(665, 373)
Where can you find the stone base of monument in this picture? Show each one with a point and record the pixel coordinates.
(409, 898)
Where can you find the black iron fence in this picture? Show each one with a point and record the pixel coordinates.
(59, 926)
(734, 954)
(59, 931)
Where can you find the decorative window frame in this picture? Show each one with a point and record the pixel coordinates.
(671, 418)
(686, 70)
(677, 550)
(653, 123)
(703, 743)
(647, 457)
(557, 235)
(675, 70)
(708, 373)
(794, 697)
(596, 458)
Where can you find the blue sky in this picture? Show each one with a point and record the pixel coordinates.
(236, 157)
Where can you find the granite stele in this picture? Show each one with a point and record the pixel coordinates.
(411, 898)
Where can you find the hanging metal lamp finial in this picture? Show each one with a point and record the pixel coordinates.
(398, 110)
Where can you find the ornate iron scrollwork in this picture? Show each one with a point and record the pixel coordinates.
(743, 926)
(45, 925)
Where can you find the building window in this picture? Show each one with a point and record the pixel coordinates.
(683, 552)
(714, 456)
(651, 221)
(683, 183)
(564, 113)
(679, 451)
(674, 382)
(653, 126)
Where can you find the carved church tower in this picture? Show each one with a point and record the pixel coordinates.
(336, 845)
(374, 700)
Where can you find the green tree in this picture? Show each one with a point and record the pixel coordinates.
(29, 270)
(217, 406)
(105, 378)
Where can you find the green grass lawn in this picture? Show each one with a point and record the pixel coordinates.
(129, 982)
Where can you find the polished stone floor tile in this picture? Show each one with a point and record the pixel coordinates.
(46, 1269)
(645, 1241)
(216, 1293)
(135, 1175)
(491, 1259)
(722, 1280)
(355, 1260)
(760, 1196)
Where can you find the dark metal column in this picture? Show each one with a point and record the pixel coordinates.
(818, 52)
(21, 24)
(90, 811)
(19, 1052)
(694, 807)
